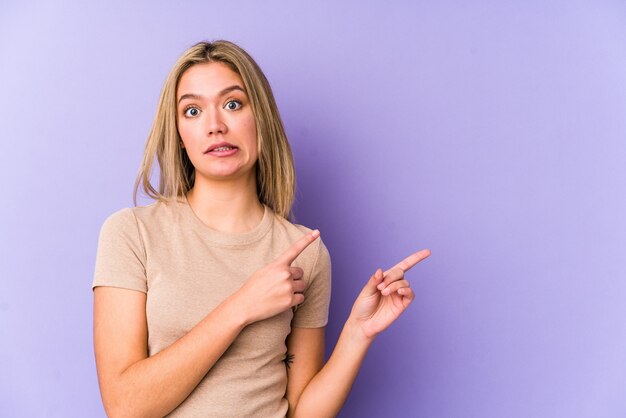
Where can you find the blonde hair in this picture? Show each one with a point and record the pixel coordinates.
(275, 173)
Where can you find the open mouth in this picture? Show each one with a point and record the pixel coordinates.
(220, 147)
(223, 149)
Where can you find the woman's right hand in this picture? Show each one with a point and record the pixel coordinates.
(276, 287)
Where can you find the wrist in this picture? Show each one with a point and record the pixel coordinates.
(236, 311)
(354, 331)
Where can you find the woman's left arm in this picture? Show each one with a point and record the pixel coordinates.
(321, 393)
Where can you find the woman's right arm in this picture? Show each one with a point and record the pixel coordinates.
(135, 385)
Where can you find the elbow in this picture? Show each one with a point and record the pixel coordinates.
(118, 405)
(123, 398)
(115, 407)
(124, 411)
(112, 408)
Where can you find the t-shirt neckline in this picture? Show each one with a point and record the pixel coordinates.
(225, 238)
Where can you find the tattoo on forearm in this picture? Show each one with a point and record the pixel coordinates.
(288, 360)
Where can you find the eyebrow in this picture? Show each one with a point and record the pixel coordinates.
(221, 93)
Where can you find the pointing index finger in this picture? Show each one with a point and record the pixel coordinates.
(406, 264)
(297, 247)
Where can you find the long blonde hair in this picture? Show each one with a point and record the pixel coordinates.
(275, 173)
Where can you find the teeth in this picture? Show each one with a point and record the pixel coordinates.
(222, 148)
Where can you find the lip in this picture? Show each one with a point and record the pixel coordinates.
(220, 144)
(226, 153)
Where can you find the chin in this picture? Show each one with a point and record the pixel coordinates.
(227, 174)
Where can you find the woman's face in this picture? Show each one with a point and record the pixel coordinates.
(215, 122)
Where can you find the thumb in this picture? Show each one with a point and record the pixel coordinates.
(371, 285)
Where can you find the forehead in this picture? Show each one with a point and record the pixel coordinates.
(207, 79)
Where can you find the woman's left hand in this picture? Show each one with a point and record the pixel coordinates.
(384, 297)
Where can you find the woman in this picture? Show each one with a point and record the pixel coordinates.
(209, 302)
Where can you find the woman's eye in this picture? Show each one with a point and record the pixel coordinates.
(233, 104)
(192, 112)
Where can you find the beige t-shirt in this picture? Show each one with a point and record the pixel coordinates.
(187, 269)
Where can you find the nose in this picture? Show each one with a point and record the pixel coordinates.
(215, 123)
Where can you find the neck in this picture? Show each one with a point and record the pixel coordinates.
(230, 206)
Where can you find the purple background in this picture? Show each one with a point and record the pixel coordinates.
(493, 134)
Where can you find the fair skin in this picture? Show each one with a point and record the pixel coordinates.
(214, 109)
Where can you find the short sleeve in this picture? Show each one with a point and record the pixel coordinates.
(313, 312)
(121, 258)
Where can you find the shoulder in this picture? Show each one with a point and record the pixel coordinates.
(144, 217)
(284, 229)
(316, 254)
(154, 212)
(140, 222)
(295, 230)
(120, 220)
